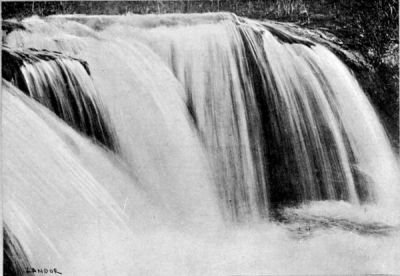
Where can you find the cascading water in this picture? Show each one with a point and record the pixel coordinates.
(64, 87)
(206, 120)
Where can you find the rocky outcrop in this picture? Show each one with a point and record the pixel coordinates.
(12, 59)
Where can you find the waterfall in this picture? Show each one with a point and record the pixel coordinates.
(125, 124)
(62, 85)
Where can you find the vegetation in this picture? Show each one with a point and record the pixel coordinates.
(370, 27)
(366, 25)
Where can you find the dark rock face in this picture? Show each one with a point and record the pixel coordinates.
(51, 78)
(13, 59)
(9, 26)
(15, 260)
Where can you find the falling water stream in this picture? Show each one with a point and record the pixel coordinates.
(191, 145)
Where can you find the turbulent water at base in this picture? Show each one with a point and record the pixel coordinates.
(192, 145)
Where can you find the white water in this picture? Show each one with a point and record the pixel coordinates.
(154, 207)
